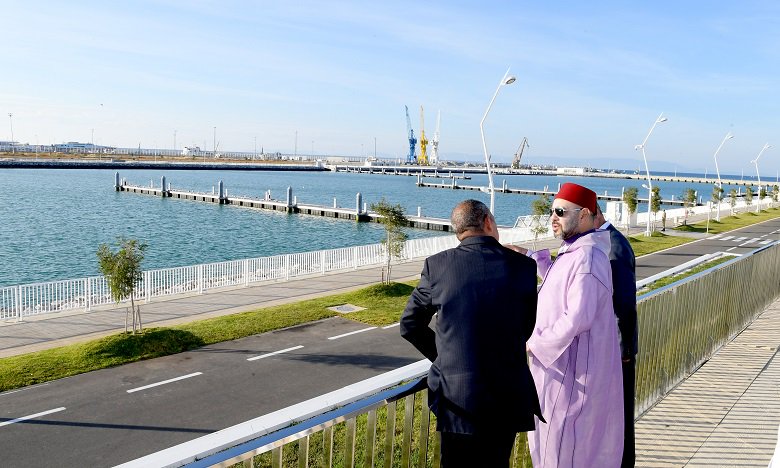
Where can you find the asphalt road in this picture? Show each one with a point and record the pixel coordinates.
(111, 416)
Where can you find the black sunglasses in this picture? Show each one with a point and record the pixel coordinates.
(561, 212)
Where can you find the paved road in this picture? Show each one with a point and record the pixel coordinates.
(114, 415)
(739, 241)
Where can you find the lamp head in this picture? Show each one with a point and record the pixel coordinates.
(729, 136)
(661, 120)
(509, 80)
(638, 147)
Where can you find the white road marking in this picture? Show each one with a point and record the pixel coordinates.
(739, 239)
(744, 244)
(762, 235)
(765, 242)
(729, 250)
(274, 353)
(176, 379)
(755, 239)
(716, 236)
(726, 238)
(351, 333)
(391, 326)
(32, 416)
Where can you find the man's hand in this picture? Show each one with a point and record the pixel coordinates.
(516, 248)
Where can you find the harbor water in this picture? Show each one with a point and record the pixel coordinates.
(52, 221)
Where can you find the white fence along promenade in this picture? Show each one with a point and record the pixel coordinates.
(17, 302)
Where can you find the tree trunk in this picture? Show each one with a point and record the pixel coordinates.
(132, 308)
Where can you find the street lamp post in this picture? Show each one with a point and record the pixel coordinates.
(755, 161)
(728, 136)
(506, 80)
(641, 146)
(11, 121)
(215, 142)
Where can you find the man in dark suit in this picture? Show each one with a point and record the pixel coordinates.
(623, 263)
(480, 387)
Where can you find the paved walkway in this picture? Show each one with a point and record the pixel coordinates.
(727, 413)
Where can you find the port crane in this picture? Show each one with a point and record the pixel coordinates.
(410, 158)
(519, 153)
(434, 159)
(423, 159)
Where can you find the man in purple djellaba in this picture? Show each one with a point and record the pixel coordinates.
(574, 350)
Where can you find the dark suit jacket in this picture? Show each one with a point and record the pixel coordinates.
(621, 258)
(485, 297)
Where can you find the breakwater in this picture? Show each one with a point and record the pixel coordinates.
(147, 165)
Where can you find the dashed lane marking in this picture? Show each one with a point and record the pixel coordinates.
(176, 379)
(729, 250)
(351, 333)
(727, 238)
(391, 326)
(32, 416)
(262, 356)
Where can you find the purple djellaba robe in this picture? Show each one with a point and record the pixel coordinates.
(575, 358)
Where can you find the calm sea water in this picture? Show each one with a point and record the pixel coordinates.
(52, 221)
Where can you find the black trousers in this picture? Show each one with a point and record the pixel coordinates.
(470, 451)
(629, 378)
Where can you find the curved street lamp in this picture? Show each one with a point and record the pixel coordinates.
(649, 186)
(755, 161)
(506, 80)
(728, 136)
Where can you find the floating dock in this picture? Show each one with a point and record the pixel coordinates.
(504, 189)
(359, 214)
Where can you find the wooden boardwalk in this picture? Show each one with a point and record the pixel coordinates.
(726, 413)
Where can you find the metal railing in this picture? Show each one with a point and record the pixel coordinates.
(17, 302)
(681, 326)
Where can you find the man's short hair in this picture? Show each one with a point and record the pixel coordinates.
(469, 215)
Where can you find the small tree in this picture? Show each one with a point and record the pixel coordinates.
(689, 200)
(540, 208)
(748, 195)
(717, 197)
(630, 199)
(761, 196)
(122, 270)
(393, 219)
(775, 192)
(732, 200)
(655, 202)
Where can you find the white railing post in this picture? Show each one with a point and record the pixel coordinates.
(200, 279)
(322, 262)
(354, 258)
(87, 294)
(287, 267)
(246, 272)
(147, 286)
(19, 304)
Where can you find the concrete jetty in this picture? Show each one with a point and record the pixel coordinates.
(290, 205)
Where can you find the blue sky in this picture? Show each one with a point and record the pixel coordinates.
(591, 77)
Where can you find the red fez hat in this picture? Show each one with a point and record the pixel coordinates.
(579, 195)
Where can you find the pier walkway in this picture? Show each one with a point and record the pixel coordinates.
(726, 413)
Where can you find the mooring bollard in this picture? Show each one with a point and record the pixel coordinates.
(334, 202)
(419, 212)
(162, 186)
(358, 203)
(221, 192)
(116, 181)
(289, 197)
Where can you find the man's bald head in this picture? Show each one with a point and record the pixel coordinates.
(473, 218)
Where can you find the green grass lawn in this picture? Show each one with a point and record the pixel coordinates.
(728, 223)
(674, 278)
(644, 245)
